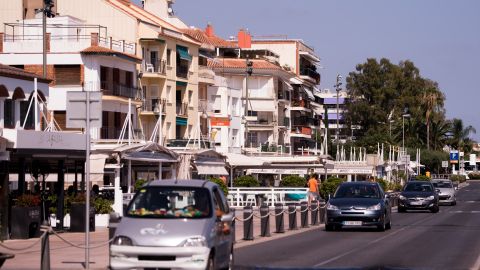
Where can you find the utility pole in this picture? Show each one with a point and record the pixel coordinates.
(248, 72)
(337, 88)
(46, 12)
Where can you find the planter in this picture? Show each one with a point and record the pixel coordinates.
(25, 222)
(4, 257)
(78, 217)
(101, 220)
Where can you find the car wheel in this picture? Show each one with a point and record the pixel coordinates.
(454, 203)
(329, 227)
(211, 262)
(435, 209)
(382, 225)
(401, 210)
(388, 226)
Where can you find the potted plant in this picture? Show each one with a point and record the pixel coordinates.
(103, 208)
(25, 218)
(78, 215)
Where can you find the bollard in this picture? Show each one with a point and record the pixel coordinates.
(279, 221)
(304, 215)
(314, 213)
(45, 249)
(264, 220)
(292, 217)
(247, 223)
(321, 211)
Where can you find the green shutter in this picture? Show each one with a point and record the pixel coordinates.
(181, 121)
(183, 53)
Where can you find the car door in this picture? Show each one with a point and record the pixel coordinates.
(223, 236)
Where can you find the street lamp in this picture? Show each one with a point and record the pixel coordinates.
(337, 88)
(405, 115)
(248, 72)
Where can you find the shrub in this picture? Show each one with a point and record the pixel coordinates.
(394, 186)
(458, 178)
(293, 181)
(221, 184)
(102, 206)
(383, 183)
(28, 200)
(422, 178)
(139, 183)
(330, 186)
(474, 175)
(246, 181)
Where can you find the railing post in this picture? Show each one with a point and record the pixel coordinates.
(264, 220)
(247, 223)
(279, 220)
(314, 213)
(304, 214)
(292, 217)
(321, 211)
(45, 249)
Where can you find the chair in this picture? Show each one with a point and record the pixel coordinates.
(149, 67)
(230, 199)
(251, 200)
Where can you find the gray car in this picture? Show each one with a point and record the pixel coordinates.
(358, 204)
(175, 224)
(447, 192)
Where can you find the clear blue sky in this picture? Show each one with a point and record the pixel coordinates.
(442, 37)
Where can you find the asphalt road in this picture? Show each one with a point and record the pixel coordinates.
(449, 240)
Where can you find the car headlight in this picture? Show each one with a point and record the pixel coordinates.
(122, 241)
(331, 207)
(401, 197)
(430, 197)
(377, 206)
(198, 241)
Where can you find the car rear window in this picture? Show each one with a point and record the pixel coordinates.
(420, 187)
(171, 202)
(442, 184)
(357, 191)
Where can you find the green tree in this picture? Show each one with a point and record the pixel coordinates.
(460, 136)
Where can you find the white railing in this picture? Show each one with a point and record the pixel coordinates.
(243, 196)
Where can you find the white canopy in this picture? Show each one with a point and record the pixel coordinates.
(261, 105)
(239, 160)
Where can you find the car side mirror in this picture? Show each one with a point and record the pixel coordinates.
(456, 188)
(226, 218)
(437, 190)
(114, 217)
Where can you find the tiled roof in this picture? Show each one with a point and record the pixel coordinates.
(214, 41)
(240, 63)
(98, 50)
(12, 72)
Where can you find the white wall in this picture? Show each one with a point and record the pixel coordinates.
(27, 86)
(37, 59)
(286, 51)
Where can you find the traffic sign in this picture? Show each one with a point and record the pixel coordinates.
(454, 156)
(444, 164)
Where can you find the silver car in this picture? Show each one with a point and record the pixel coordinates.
(175, 224)
(447, 193)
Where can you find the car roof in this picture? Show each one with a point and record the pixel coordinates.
(419, 182)
(360, 183)
(441, 180)
(182, 183)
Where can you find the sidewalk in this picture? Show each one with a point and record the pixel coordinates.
(65, 257)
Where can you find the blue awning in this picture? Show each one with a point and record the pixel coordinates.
(330, 101)
(183, 53)
(181, 121)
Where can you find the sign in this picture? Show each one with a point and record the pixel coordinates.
(445, 164)
(220, 121)
(454, 156)
(77, 109)
(31, 139)
(473, 159)
(278, 171)
(461, 154)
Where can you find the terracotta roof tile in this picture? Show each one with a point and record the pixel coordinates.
(13, 72)
(240, 63)
(214, 41)
(106, 51)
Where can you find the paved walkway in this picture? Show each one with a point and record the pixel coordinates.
(64, 256)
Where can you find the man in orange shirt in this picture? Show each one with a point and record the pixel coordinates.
(313, 188)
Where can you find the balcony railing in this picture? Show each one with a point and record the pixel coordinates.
(182, 109)
(261, 122)
(305, 122)
(158, 66)
(151, 104)
(302, 130)
(206, 72)
(182, 71)
(120, 90)
(310, 73)
(283, 95)
(301, 103)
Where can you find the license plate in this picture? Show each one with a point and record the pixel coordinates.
(352, 223)
(416, 203)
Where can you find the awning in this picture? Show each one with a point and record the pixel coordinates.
(261, 105)
(152, 39)
(309, 93)
(180, 83)
(181, 121)
(309, 56)
(238, 160)
(288, 85)
(152, 152)
(211, 169)
(331, 101)
(183, 53)
(296, 81)
(97, 163)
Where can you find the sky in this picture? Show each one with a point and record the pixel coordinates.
(442, 37)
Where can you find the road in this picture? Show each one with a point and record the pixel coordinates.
(449, 240)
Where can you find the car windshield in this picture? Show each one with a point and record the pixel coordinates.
(442, 184)
(171, 202)
(420, 187)
(357, 191)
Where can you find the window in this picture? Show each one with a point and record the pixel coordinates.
(216, 101)
(67, 74)
(190, 127)
(190, 95)
(8, 109)
(169, 55)
(234, 137)
(169, 92)
(235, 107)
(129, 79)
(169, 129)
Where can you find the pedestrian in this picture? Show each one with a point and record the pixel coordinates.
(313, 192)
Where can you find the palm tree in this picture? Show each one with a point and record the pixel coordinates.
(440, 129)
(460, 135)
(432, 100)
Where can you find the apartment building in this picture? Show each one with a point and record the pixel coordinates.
(328, 99)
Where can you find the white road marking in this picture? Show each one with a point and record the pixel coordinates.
(373, 242)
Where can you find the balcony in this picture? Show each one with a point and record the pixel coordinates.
(182, 71)
(283, 95)
(158, 67)
(182, 109)
(119, 90)
(284, 122)
(313, 75)
(300, 105)
(154, 104)
(305, 121)
(261, 122)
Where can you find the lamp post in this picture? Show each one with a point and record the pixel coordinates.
(248, 72)
(405, 115)
(337, 88)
